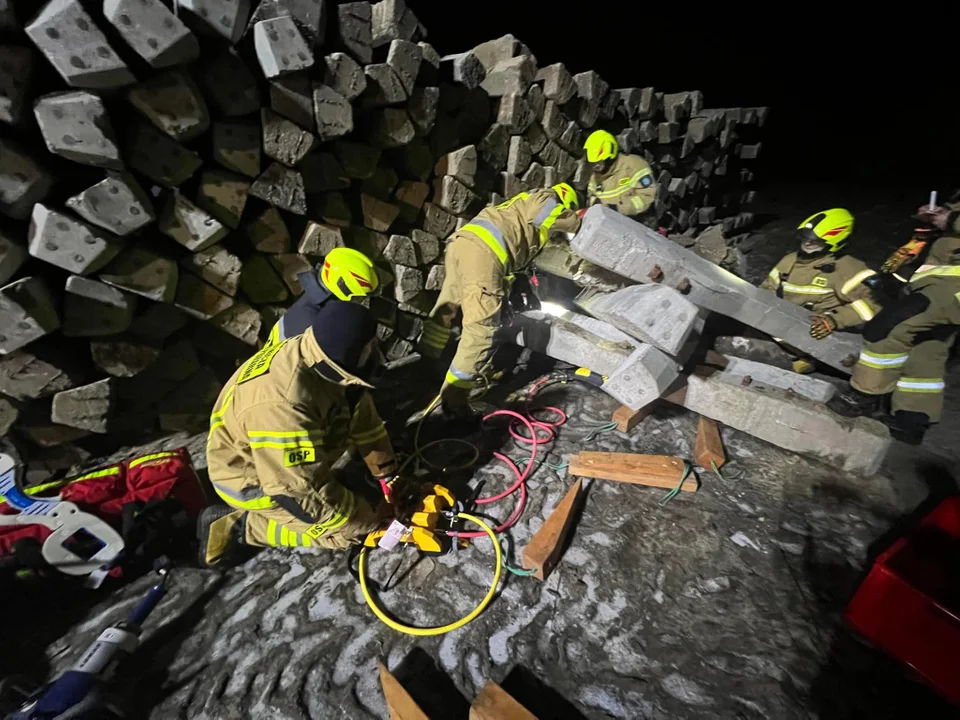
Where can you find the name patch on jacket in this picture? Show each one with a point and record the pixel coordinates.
(259, 363)
(301, 456)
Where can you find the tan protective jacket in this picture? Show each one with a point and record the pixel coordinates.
(480, 258)
(828, 285)
(628, 186)
(275, 431)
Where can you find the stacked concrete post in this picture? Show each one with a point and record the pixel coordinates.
(157, 208)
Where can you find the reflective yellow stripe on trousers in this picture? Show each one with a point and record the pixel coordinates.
(882, 361)
(921, 385)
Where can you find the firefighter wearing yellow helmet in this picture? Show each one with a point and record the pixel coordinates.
(820, 277)
(622, 182)
(480, 260)
(344, 275)
(907, 347)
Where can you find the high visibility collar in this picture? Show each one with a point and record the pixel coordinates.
(314, 356)
(937, 271)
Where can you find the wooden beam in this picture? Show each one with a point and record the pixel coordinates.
(399, 702)
(709, 447)
(627, 418)
(543, 551)
(494, 703)
(653, 470)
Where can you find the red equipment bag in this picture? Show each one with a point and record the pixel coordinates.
(104, 492)
(909, 604)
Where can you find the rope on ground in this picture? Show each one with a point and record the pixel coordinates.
(687, 468)
(739, 472)
(601, 430)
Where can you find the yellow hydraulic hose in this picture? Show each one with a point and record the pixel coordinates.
(425, 632)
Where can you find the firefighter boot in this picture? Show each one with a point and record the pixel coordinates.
(220, 531)
(907, 426)
(853, 403)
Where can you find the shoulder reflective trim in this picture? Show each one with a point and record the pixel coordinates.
(544, 213)
(638, 203)
(452, 379)
(491, 235)
(216, 418)
(370, 436)
(148, 458)
(806, 289)
(774, 274)
(625, 184)
(882, 362)
(938, 271)
(856, 280)
(511, 201)
(863, 309)
(246, 499)
(549, 223)
(921, 385)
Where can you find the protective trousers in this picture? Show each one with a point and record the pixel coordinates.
(475, 285)
(913, 374)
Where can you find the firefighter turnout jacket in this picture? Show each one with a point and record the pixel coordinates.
(275, 431)
(908, 343)
(304, 311)
(627, 186)
(828, 285)
(480, 259)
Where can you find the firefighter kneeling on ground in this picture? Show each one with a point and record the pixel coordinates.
(906, 349)
(624, 183)
(480, 259)
(837, 288)
(345, 275)
(283, 418)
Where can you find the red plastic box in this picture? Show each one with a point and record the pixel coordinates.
(909, 604)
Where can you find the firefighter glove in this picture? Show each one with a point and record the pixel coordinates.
(821, 326)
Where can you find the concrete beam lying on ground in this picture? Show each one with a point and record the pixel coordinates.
(637, 373)
(748, 371)
(628, 248)
(787, 420)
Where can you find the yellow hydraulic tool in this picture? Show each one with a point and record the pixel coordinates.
(421, 520)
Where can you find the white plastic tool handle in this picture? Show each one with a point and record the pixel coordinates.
(933, 199)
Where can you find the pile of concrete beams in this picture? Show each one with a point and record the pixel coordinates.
(645, 338)
(168, 167)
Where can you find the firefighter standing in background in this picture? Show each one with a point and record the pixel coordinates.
(480, 259)
(280, 422)
(345, 275)
(624, 183)
(837, 288)
(907, 348)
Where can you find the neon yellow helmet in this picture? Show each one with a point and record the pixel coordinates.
(600, 146)
(832, 227)
(567, 195)
(348, 274)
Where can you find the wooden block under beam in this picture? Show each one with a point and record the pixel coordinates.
(543, 551)
(709, 447)
(399, 702)
(627, 418)
(654, 470)
(494, 703)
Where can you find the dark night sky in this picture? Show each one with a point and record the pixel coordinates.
(856, 98)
